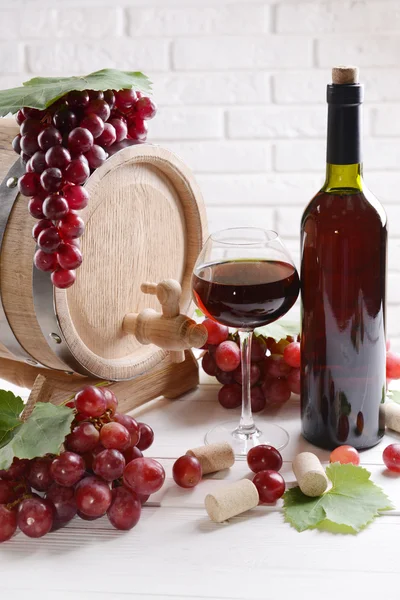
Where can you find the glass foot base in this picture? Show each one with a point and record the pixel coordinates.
(274, 435)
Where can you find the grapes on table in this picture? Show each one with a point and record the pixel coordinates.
(345, 454)
(264, 457)
(270, 485)
(391, 457)
(101, 471)
(60, 146)
(187, 471)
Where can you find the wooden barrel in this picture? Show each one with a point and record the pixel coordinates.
(145, 222)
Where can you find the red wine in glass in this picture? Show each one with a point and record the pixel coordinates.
(246, 293)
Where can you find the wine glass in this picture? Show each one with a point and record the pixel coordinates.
(245, 278)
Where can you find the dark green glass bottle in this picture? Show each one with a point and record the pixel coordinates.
(343, 289)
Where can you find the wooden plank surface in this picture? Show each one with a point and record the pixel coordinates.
(176, 552)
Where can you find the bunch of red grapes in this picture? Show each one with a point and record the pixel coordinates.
(273, 377)
(60, 147)
(102, 471)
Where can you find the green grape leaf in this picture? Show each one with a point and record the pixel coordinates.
(11, 407)
(43, 433)
(279, 330)
(350, 505)
(41, 92)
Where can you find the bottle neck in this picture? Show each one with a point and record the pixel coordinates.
(343, 156)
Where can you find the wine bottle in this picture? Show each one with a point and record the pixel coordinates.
(343, 287)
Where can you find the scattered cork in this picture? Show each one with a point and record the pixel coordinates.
(213, 457)
(344, 75)
(231, 500)
(392, 415)
(310, 474)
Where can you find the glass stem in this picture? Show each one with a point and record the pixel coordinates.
(246, 424)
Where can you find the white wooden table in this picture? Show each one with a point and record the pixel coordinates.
(176, 552)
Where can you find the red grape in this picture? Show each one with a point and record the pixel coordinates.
(227, 356)
(224, 377)
(76, 196)
(392, 365)
(344, 455)
(121, 130)
(96, 156)
(35, 207)
(63, 500)
(293, 380)
(29, 184)
(187, 471)
(275, 366)
(83, 438)
(114, 435)
(37, 162)
(93, 496)
(276, 391)
(146, 437)
(80, 140)
(145, 108)
(20, 117)
(125, 99)
(264, 457)
(51, 179)
(94, 124)
(77, 171)
(35, 516)
(108, 137)
(99, 108)
(131, 425)
(55, 207)
(8, 522)
(109, 464)
(71, 226)
(49, 239)
(29, 144)
(18, 469)
(270, 485)
(257, 399)
(144, 476)
(39, 476)
(109, 97)
(230, 395)
(7, 491)
(96, 95)
(67, 469)
(112, 403)
(254, 375)
(57, 156)
(64, 119)
(69, 257)
(291, 355)
(16, 144)
(208, 364)
(132, 453)
(391, 457)
(78, 99)
(48, 138)
(216, 333)
(125, 508)
(39, 227)
(90, 401)
(31, 127)
(137, 129)
(63, 279)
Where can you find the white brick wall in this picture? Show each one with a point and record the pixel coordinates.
(241, 90)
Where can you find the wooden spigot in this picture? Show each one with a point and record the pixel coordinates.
(169, 330)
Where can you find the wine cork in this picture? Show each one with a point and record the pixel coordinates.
(392, 415)
(310, 474)
(231, 500)
(213, 457)
(344, 75)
